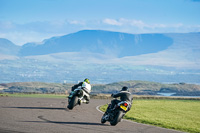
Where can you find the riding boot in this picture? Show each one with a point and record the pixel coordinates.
(79, 102)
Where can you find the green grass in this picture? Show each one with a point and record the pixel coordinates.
(183, 115)
(35, 95)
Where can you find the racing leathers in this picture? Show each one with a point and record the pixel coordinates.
(124, 96)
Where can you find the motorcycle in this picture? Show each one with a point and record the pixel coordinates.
(76, 97)
(116, 114)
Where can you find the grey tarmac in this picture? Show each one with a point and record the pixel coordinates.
(50, 115)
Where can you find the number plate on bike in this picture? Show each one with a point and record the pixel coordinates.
(123, 107)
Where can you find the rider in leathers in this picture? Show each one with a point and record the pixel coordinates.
(124, 95)
(86, 87)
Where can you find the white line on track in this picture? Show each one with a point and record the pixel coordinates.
(97, 108)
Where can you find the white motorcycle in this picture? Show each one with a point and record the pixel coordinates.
(77, 97)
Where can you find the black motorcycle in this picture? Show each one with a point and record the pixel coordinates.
(76, 97)
(116, 114)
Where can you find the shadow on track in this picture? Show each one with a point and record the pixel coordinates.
(59, 122)
(50, 108)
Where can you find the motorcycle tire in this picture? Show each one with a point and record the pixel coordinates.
(117, 118)
(103, 120)
(73, 102)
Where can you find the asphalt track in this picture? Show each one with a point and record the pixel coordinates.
(44, 115)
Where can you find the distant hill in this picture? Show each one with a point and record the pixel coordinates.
(103, 42)
(150, 88)
(8, 48)
(136, 87)
(34, 87)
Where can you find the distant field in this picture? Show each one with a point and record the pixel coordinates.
(183, 115)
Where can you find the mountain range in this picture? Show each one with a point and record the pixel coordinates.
(104, 56)
(102, 42)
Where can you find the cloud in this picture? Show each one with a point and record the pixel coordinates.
(76, 22)
(6, 25)
(141, 26)
(111, 22)
(130, 22)
(137, 23)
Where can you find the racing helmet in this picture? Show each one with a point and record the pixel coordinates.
(125, 88)
(87, 80)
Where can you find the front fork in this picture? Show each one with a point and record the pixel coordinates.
(71, 95)
(108, 114)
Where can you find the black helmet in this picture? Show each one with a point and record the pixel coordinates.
(124, 88)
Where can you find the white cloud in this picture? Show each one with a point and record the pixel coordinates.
(111, 22)
(76, 22)
(6, 25)
(138, 26)
(137, 23)
(124, 22)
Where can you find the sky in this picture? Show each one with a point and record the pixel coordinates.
(23, 21)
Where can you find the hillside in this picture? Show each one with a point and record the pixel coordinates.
(103, 42)
(136, 87)
(150, 88)
(8, 48)
(184, 53)
(34, 87)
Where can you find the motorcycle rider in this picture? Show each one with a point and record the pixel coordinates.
(124, 95)
(85, 85)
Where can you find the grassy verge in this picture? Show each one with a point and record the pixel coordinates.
(35, 95)
(183, 115)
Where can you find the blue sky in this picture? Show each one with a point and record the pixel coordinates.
(23, 21)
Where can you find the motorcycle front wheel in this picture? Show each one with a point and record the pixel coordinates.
(103, 119)
(73, 102)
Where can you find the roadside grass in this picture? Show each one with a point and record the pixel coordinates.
(182, 115)
(35, 95)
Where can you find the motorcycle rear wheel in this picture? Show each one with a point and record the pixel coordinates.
(117, 118)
